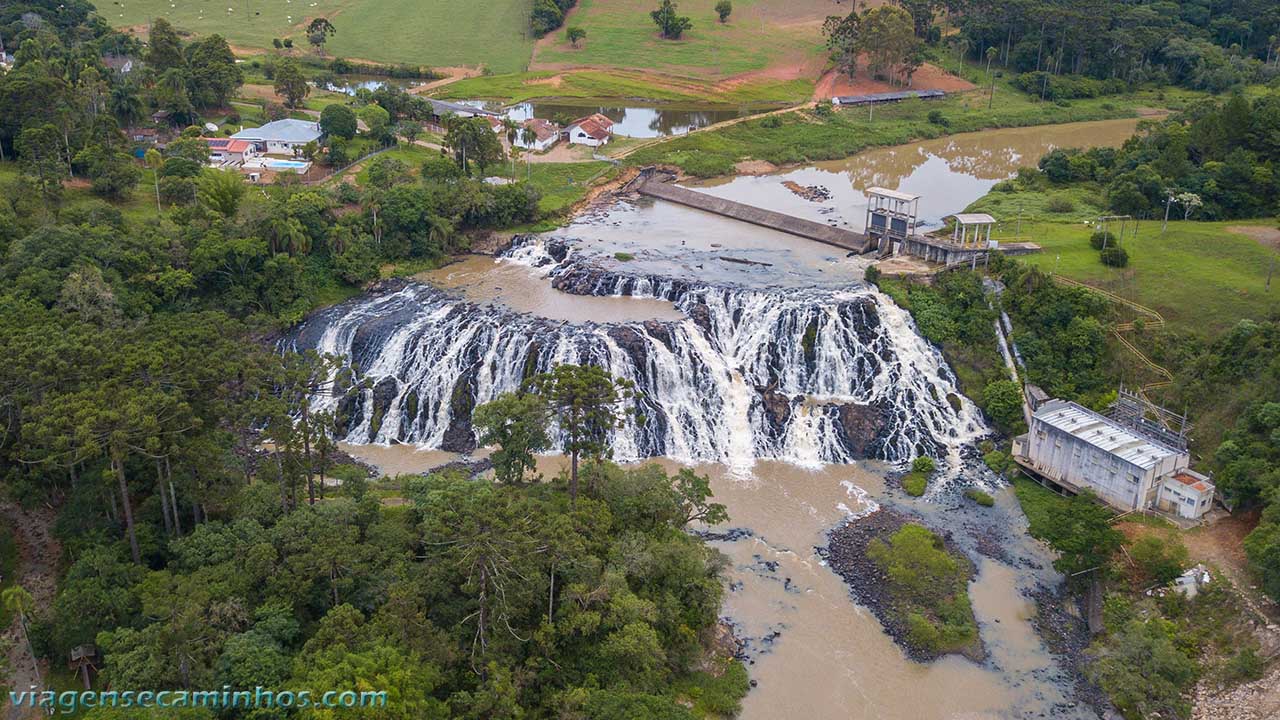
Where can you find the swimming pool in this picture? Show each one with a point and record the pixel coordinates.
(297, 165)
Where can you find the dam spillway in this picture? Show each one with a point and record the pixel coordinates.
(849, 240)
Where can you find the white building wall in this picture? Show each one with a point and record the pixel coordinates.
(577, 137)
(1063, 457)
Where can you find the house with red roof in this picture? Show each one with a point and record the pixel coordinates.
(537, 135)
(593, 130)
(228, 152)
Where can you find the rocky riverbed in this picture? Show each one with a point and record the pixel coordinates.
(1047, 654)
(846, 552)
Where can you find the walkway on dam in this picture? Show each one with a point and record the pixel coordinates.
(839, 237)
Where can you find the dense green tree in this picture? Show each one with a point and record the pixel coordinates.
(214, 74)
(377, 120)
(221, 191)
(1082, 535)
(290, 83)
(318, 31)
(516, 423)
(472, 141)
(338, 121)
(670, 25)
(723, 9)
(587, 404)
(112, 173)
(164, 47)
(1144, 673)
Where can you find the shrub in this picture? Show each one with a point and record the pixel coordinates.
(937, 118)
(923, 464)
(914, 484)
(1102, 238)
(998, 460)
(1159, 560)
(823, 109)
(1002, 399)
(1244, 666)
(872, 274)
(772, 121)
(1114, 256)
(1059, 204)
(623, 256)
(982, 498)
(346, 193)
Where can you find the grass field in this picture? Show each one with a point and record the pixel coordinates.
(602, 84)
(759, 34)
(437, 32)
(806, 136)
(1202, 278)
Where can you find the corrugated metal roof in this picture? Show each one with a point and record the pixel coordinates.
(893, 194)
(1103, 433)
(974, 218)
(287, 130)
(444, 107)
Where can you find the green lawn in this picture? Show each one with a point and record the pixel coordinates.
(439, 32)
(605, 84)
(759, 33)
(1202, 278)
(562, 184)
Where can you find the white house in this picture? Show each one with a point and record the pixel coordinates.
(541, 134)
(1186, 494)
(593, 130)
(281, 137)
(228, 151)
(1079, 449)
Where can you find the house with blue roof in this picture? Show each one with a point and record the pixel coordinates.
(281, 137)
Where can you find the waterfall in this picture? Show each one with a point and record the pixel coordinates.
(805, 376)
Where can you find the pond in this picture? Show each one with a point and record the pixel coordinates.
(349, 84)
(636, 121)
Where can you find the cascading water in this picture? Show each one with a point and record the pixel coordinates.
(803, 376)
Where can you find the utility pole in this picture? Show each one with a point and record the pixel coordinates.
(991, 54)
(1168, 203)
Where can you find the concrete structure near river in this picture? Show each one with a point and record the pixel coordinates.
(1079, 449)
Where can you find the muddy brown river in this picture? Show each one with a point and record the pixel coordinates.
(812, 651)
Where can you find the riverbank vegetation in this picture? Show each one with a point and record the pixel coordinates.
(912, 580)
(1155, 646)
(808, 135)
(929, 585)
(199, 538)
(1059, 331)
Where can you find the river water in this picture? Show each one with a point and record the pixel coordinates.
(810, 648)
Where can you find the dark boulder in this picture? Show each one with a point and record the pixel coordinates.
(862, 427)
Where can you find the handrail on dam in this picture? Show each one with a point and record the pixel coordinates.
(839, 237)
